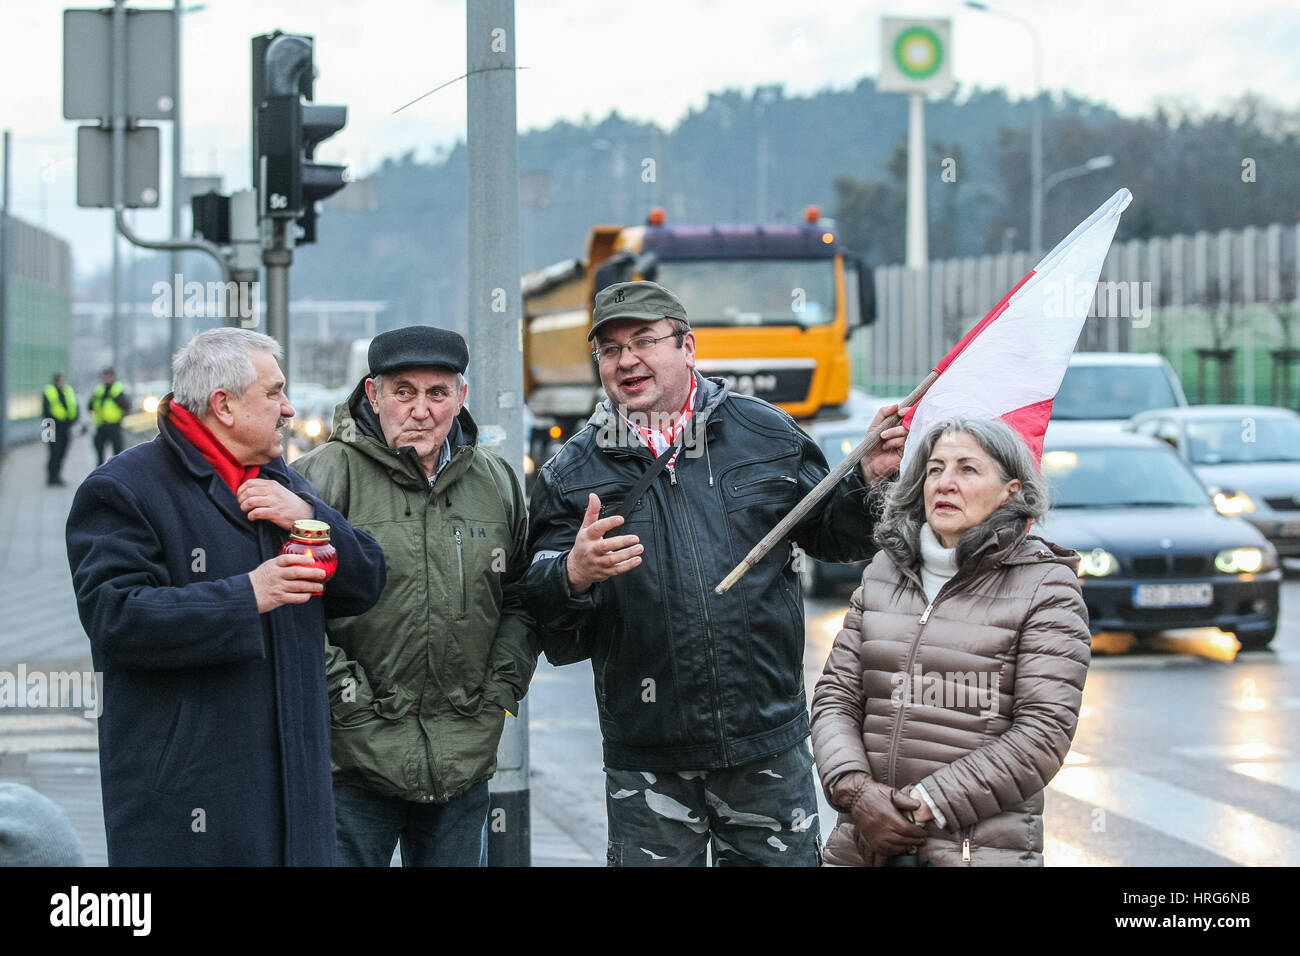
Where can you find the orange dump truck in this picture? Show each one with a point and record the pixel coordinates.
(772, 307)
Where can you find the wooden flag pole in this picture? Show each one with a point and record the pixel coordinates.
(810, 501)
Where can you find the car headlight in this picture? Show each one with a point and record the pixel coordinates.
(1233, 503)
(150, 405)
(1244, 560)
(312, 428)
(1097, 563)
(528, 464)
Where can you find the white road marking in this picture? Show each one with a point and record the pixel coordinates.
(1281, 774)
(1219, 828)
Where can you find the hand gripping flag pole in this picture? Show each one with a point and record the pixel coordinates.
(1009, 366)
(823, 488)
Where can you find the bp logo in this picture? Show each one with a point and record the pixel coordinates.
(918, 52)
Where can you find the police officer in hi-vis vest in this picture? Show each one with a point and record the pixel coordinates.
(59, 405)
(108, 406)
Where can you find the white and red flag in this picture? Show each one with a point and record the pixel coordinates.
(1011, 364)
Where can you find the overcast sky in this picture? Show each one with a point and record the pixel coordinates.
(649, 60)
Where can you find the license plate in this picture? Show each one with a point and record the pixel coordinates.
(1288, 529)
(1173, 595)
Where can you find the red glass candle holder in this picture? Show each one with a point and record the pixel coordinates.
(312, 538)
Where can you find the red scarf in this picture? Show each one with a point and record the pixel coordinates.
(226, 465)
(658, 441)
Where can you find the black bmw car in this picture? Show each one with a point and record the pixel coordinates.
(1156, 554)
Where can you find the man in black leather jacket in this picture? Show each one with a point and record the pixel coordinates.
(701, 696)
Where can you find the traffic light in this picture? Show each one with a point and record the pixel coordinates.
(212, 217)
(287, 128)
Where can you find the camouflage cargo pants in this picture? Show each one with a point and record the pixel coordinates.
(760, 814)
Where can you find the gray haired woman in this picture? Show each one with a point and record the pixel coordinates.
(952, 692)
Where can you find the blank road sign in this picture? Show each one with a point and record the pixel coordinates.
(95, 167)
(88, 64)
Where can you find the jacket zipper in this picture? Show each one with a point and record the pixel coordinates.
(737, 489)
(460, 565)
(907, 674)
(708, 635)
(965, 849)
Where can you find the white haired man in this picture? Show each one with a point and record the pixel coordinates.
(214, 741)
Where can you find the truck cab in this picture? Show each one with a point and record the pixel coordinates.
(771, 306)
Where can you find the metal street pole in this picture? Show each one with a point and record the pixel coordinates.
(277, 259)
(4, 299)
(1036, 131)
(119, 165)
(1036, 150)
(174, 322)
(496, 338)
(918, 254)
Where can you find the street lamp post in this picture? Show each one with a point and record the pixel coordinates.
(178, 179)
(1036, 134)
(174, 260)
(1092, 165)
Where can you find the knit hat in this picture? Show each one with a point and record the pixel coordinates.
(35, 831)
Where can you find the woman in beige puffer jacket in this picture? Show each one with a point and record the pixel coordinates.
(959, 706)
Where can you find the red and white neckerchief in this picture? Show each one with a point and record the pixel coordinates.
(658, 440)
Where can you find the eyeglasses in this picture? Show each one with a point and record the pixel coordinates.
(640, 345)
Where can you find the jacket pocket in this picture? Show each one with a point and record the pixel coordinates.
(794, 645)
(464, 703)
(392, 705)
(460, 567)
(771, 484)
(176, 750)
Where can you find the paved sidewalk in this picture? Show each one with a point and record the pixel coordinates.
(55, 750)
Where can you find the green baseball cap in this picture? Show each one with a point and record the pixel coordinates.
(635, 300)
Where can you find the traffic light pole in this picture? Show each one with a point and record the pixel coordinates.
(277, 258)
(4, 298)
(119, 179)
(496, 371)
(287, 127)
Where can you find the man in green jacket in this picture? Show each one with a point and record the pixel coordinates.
(421, 684)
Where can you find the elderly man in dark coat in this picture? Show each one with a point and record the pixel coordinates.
(214, 740)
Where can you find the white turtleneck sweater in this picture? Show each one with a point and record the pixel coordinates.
(938, 563)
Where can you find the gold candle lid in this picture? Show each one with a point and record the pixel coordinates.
(311, 530)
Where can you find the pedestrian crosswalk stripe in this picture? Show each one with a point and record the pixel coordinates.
(1281, 774)
(1234, 752)
(1219, 828)
(1060, 853)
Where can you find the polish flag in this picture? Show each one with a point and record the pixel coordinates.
(1011, 364)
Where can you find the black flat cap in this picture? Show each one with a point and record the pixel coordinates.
(417, 345)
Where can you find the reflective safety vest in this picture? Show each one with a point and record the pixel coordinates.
(105, 408)
(65, 409)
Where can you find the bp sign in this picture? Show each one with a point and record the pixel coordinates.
(915, 56)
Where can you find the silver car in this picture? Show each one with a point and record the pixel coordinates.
(1247, 455)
